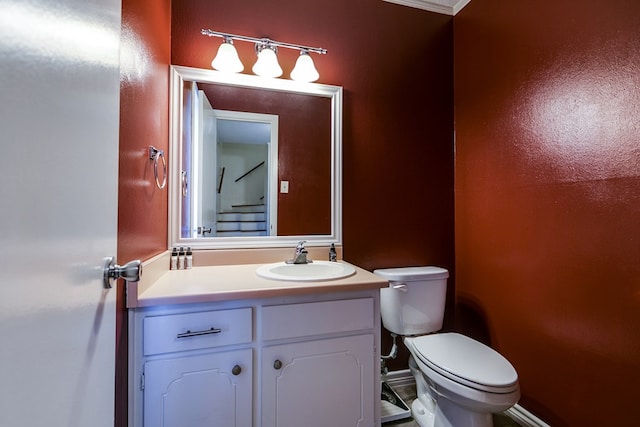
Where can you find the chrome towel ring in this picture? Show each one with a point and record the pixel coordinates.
(155, 155)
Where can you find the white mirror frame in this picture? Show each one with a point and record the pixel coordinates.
(178, 74)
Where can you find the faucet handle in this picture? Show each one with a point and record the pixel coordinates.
(300, 257)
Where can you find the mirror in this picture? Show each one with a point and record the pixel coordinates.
(254, 162)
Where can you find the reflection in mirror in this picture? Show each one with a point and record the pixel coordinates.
(234, 175)
(241, 148)
(255, 162)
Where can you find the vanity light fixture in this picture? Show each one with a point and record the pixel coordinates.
(227, 59)
(267, 63)
(305, 70)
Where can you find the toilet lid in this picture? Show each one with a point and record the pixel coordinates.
(466, 361)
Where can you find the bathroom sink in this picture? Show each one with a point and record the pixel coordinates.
(313, 272)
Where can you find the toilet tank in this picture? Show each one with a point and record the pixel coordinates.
(413, 304)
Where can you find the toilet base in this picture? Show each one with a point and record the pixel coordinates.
(431, 409)
(453, 418)
(421, 415)
(449, 414)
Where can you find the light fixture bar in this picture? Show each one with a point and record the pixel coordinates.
(267, 41)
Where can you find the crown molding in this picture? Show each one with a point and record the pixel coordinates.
(447, 7)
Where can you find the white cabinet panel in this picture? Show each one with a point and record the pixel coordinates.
(199, 391)
(315, 318)
(319, 383)
(192, 331)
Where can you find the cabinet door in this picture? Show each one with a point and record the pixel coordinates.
(197, 391)
(320, 383)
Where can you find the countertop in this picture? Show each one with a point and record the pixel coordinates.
(234, 282)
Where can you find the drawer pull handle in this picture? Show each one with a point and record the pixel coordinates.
(236, 370)
(277, 364)
(198, 333)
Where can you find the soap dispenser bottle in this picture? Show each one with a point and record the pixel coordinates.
(174, 259)
(181, 258)
(188, 260)
(333, 256)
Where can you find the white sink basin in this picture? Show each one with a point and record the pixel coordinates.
(313, 272)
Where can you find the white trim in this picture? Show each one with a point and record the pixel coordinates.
(447, 7)
(524, 417)
(517, 413)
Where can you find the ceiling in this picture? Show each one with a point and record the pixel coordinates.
(447, 7)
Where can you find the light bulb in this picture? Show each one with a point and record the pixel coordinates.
(227, 59)
(305, 70)
(267, 63)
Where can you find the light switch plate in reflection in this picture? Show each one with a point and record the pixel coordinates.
(284, 186)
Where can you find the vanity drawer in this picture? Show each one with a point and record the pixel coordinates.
(192, 331)
(317, 318)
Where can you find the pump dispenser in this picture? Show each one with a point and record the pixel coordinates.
(181, 257)
(333, 256)
(174, 259)
(188, 261)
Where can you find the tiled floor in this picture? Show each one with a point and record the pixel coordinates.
(408, 394)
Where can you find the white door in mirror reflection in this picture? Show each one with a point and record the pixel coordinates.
(234, 172)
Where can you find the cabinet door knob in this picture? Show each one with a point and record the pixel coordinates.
(277, 364)
(236, 370)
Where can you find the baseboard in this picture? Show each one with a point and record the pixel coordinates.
(517, 412)
(524, 417)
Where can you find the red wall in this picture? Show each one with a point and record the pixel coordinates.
(144, 121)
(547, 114)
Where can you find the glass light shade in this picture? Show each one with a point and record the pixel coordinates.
(305, 70)
(227, 59)
(267, 64)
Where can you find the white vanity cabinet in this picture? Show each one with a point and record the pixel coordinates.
(196, 368)
(310, 360)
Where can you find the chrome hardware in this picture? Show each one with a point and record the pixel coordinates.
(130, 272)
(204, 230)
(333, 255)
(398, 286)
(277, 364)
(155, 155)
(300, 256)
(236, 370)
(184, 183)
(198, 333)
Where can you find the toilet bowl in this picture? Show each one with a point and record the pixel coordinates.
(470, 379)
(460, 382)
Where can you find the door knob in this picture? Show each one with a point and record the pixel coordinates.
(130, 272)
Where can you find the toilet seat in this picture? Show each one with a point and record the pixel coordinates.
(466, 361)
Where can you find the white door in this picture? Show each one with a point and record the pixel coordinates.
(199, 173)
(59, 115)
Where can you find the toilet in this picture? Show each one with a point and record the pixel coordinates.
(460, 382)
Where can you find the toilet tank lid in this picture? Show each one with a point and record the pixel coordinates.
(408, 274)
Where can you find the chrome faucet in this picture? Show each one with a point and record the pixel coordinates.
(300, 256)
